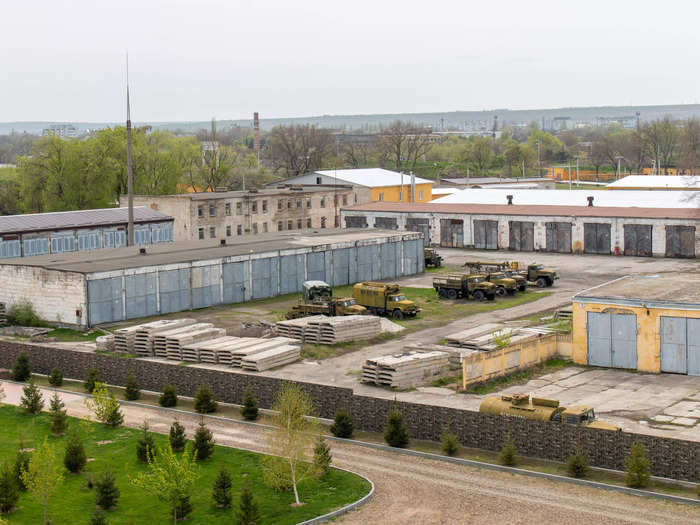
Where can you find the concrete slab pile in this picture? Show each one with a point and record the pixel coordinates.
(259, 345)
(271, 358)
(208, 351)
(160, 348)
(405, 370)
(457, 339)
(145, 333)
(174, 343)
(124, 339)
(330, 330)
(455, 354)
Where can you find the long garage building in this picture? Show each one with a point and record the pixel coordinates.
(85, 289)
(553, 221)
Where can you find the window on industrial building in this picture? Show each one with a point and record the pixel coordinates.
(289, 204)
(298, 204)
(337, 221)
(308, 202)
(264, 206)
(323, 202)
(400, 196)
(280, 226)
(355, 198)
(308, 222)
(228, 231)
(381, 197)
(255, 227)
(255, 206)
(228, 208)
(200, 211)
(239, 208)
(318, 180)
(323, 222)
(279, 204)
(239, 230)
(201, 233)
(212, 232)
(290, 225)
(212, 210)
(420, 195)
(345, 200)
(264, 227)
(298, 224)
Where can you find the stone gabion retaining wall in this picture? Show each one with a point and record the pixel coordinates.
(672, 458)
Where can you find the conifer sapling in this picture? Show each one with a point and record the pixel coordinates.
(249, 410)
(74, 458)
(203, 442)
(177, 437)
(59, 420)
(222, 488)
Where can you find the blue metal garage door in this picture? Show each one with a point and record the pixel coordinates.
(612, 340)
(206, 286)
(390, 260)
(105, 300)
(174, 290)
(140, 295)
(235, 281)
(680, 345)
(264, 277)
(291, 273)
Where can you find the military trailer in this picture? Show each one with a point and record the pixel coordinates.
(522, 405)
(432, 258)
(384, 299)
(317, 299)
(458, 286)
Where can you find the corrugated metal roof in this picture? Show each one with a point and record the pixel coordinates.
(77, 219)
(545, 210)
(675, 182)
(372, 177)
(527, 197)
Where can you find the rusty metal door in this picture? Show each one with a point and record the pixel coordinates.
(452, 233)
(386, 223)
(596, 238)
(680, 241)
(638, 240)
(558, 237)
(419, 225)
(521, 236)
(486, 235)
(355, 221)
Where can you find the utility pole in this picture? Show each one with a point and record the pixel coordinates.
(569, 173)
(617, 175)
(578, 181)
(539, 166)
(129, 169)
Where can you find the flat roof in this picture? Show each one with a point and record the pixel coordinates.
(438, 206)
(655, 291)
(189, 251)
(671, 182)
(265, 192)
(631, 198)
(62, 220)
(372, 177)
(494, 180)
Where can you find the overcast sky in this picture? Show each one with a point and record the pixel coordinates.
(195, 59)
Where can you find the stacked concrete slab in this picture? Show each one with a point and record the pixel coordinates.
(160, 340)
(124, 339)
(145, 333)
(405, 370)
(174, 343)
(455, 354)
(330, 330)
(279, 356)
(462, 339)
(246, 352)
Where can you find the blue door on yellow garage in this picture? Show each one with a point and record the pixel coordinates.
(612, 340)
(680, 345)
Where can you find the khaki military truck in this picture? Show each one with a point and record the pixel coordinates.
(432, 257)
(384, 299)
(509, 269)
(538, 274)
(522, 405)
(317, 299)
(494, 273)
(457, 286)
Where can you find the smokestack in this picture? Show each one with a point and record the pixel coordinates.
(256, 134)
(590, 201)
(510, 200)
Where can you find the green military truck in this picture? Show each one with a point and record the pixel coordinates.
(432, 257)
(384, 299)
(461, 285)
(494, 273)
(317, 299)
(538, 274)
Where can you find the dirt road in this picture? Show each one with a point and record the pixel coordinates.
(424, 492)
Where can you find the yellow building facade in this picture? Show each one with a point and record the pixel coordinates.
(424, 193)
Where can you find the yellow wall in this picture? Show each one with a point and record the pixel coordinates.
(392, 193)
(648, 331)
(666, 171)
(562, 173)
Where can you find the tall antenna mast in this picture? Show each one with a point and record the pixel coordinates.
(129, 170)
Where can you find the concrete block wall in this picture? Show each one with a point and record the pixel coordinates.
(673, 458)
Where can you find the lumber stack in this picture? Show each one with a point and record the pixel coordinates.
(143, 343)
(174, 343)
(271, 358)
(260, 345)
(405, 370)
(160, 348)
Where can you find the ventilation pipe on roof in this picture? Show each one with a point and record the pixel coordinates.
(510, 200)
(590, 200)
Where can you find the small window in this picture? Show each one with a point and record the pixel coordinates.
(239, 230)
(280, 205)
(308, 222)
(255, 227)
(335, 200)
(255, 206)
(318, 180)
(264, 227)
(239, 208)
(355, 198)
(308, 202)
(323, 202)
(298, 204)
(201, 233)
(400, 196)
(345, 200)
(280, 226)
(212, 232)
(420, 195)
(264, 206)
(289, 204)
(228, 209)
(337, 221)
(298, 224)
(212, 210)
(381, 197)
(228, 231)
(323, 222)
(290, 225)
(200, 211)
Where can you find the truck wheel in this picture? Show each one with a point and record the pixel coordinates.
(478, 295)
(397, 314)
(452, 294)
(442, 293)
(501, 292)
(541, 282)
(491, 296)
(523, 287)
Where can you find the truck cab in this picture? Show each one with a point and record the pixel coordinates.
(540, 275)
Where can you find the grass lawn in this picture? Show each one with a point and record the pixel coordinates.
(72, 503)
(67, 335)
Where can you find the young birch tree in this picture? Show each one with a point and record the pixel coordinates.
(105, 407)
(43, 474)
(292, 442)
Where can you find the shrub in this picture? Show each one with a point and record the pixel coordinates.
(169, 396)
(22, 369)
(177, 437)
(322, 457)
(343, 426)
(508, 452)
(247, 512)
(21, 465)
(222, 489)
(577, 463)
(204, 401)
(23, 314)
(32, 401)
(92, 377)
(638, 467)
(132, 392)
(396, 434)
(145, 447)
(99, 517)
(107, 493)
(59, 420)
(449, 443)
(55, 377)
(74, 458)
(249, 410)
(203, 442)
(9, 491)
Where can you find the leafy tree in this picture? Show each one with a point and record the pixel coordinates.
(508, 452)
(169, 396)
(396, 434)
(132, 390)
(577, 463)
(299, 149)
(99, 517)
(107, 492)
(91, 379)
(145, 446)
(322, 457)
(22, 369)
(59, 419)
(74, 457)
(204, 401)
(43, 475)
(104, 406)
(247, 512)
(169, 478)
(31, 401)
(55, 377)
(343, 425)
(637, 466)
(222, 488)
(177, 437)
(203, 442)
(291, 442)
(9, 491)
(449, 443)
(249, 410)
